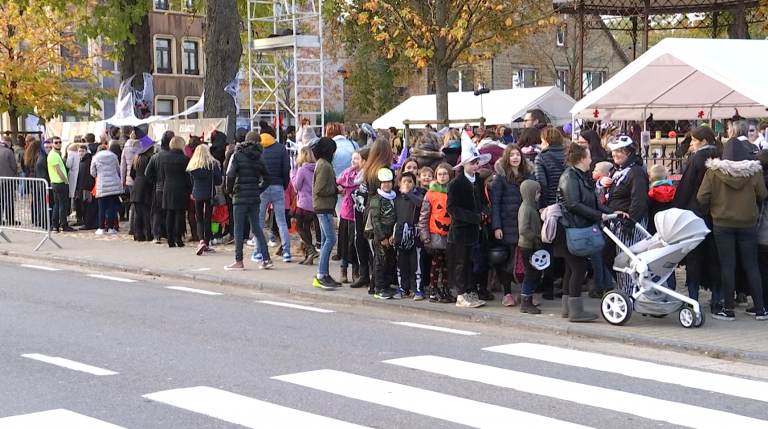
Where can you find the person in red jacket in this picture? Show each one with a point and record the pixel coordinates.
(661, 194)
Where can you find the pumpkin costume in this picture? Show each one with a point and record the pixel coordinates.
(434, 224)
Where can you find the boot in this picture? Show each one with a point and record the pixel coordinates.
(577, 311)
(528, 307)
(363, 279)
(311, 256)
(304, 260)
(566, 311)
(344, 278)
(355, 272)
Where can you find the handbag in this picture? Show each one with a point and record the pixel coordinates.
(584, 241)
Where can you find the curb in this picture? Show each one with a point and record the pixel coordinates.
(529, 324)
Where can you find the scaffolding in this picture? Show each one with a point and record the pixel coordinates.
(285, 62)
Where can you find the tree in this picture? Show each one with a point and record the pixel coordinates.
(223, 48)
(435, 34)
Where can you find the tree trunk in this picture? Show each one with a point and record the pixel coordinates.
(137, 58)
(13, 116)
(440, 65)
(441, 92)
(223, 50)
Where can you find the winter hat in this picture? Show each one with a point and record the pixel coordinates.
(567, 129)
(385, 175)
(324, 148)
(620, 142)
(736, 150)
(469, 153)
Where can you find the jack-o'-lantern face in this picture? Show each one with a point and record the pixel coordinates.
(441, 219)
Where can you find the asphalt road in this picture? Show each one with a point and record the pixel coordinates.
(157, 358)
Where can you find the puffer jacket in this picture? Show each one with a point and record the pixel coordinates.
(427, 155)
(129, 152)
(577, 195)
(302, 183)
(505, 203)
(434, 220)
(276, 158)
(247, 175)
(733, 191)
(105, 167)
(550, 164)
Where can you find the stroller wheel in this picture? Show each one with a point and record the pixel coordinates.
(687, 317)
(616, 307)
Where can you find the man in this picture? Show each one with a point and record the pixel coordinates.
(738, 129)
(90, 140)
(278, 163)
(397, 141)
(125, 135)
(762, 131)
(57, 172)
(535, 118)
(8, 168)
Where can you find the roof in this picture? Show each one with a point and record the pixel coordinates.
(500, 107)
(685, 79)
(632, 7)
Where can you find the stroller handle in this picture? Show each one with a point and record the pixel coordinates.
(611, 217)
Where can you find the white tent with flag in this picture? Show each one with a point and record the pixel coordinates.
(685, 79)
(500, 107)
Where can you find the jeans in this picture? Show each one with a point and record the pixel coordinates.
(107, 207)
(60, 205)
(203, 215)
(603, 275)
(275, 195)
(250, 212)
(328, 236)
(746, 239)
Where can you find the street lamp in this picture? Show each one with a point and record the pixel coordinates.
(481, 89)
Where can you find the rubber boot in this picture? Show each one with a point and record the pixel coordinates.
(566, 311)
(344, 278)
(577, 311)
(364, 279)
(527, 305)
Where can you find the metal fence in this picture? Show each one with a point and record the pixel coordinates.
(25, 205)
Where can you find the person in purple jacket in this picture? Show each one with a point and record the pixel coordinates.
(305, 214)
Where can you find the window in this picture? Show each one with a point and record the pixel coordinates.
(163, 56)
(165, 107)
(524, 78)
(190, 58)
(161, 4)
(190, 103)
(592, 80)
(461, 81)
(562, 80)
(560, 35)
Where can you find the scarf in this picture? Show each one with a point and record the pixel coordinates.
(666, 182)
(620, 175)
(439, 188)
(470, 178)
(388, 195)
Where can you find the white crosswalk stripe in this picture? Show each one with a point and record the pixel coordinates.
(614, 400)
(54, 419)
(245, 411)
(727, 385)
(402, 397)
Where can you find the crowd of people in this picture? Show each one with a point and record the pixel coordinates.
(442, 219)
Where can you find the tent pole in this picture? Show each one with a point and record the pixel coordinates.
(407, 135)
(573, 128)
(645, 122)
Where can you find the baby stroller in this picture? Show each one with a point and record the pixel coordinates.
(651, 261)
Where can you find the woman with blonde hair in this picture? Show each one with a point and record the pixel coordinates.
(205, 172)
(452, 147)
(305, 213)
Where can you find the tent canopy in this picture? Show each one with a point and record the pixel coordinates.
(499, 107)
(685, 79)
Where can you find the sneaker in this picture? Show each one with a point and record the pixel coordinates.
(385, 293)
(101, 232)
(215, 241)
(508, 300)
(724, 314)
(399, 294)
(333, 280)
(325, 283)
(485, 295)
(229, 240)
(154, 240)
(251, 242)
(236, 266)
(272, 243)
(715, 307)
(317, 246)
(201, 248)
(751, 311)
(265, 265)
(741, 300)
(418, 296)
(209, 250)
(469, 300)
(68, 229)
(761, 315)
(256, 257)
(446, 299)
(286, 257)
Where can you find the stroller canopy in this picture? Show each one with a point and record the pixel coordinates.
(676, 225)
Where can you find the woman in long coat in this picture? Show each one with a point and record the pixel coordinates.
(176, 188)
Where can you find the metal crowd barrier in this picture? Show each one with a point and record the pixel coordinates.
(25, 205)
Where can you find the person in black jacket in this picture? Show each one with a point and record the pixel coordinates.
(581, 209)
(157, 212)
(383, 219)
(141, 195)
(550, 164)
(596, 149)
(172, 167)
(278, 163)
(407, 208)
(467, 207)
(702, 262)
(84, 188)
(206, 175)
(247, 178)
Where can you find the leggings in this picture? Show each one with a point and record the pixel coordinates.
(575, 270)
(439, 268)
(346, 247)
(203, 215)
(304, 220)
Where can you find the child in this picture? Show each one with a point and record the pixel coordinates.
(603, 277)
(383, 218)
(434, 223)
(346, 183)
(660, 197)
(426, 177)
(407, 209)
(324, 195)
(410, 165)
(305, 212)
(529, 240)
(602, 169)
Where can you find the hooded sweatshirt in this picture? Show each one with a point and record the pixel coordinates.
(276, 158)
(661, 197)
(347, 181)
(733, 188)
(529, 221)
(302, 182)
(324, 181)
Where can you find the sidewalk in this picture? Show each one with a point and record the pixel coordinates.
(119, 252)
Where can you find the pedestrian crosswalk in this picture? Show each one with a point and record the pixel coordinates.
(453, 402)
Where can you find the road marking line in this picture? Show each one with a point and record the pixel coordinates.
(40, 267)
(614, 400)
(298, 307)
(435, 328)
(407, 398)
(244, 411)
(724, 384)
(189, 289)
(54, 419)
(117, 279)
(66, 363)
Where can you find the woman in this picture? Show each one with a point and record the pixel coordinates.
(592, 140)
(176, 187)
(628, 193)
(550, 165)
(324, 194)
(427, 151)
(581, 209)
(452, 147)
(141, 194)
(32, 169)
(132, 146)
(205, 174)
(512, 169)
(305, 213)
(703, 261)
(732, 189)
(530, 143)
(105, 168)
(491, 144)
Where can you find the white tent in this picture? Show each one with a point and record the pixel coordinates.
(685, 79)
(499, 107)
